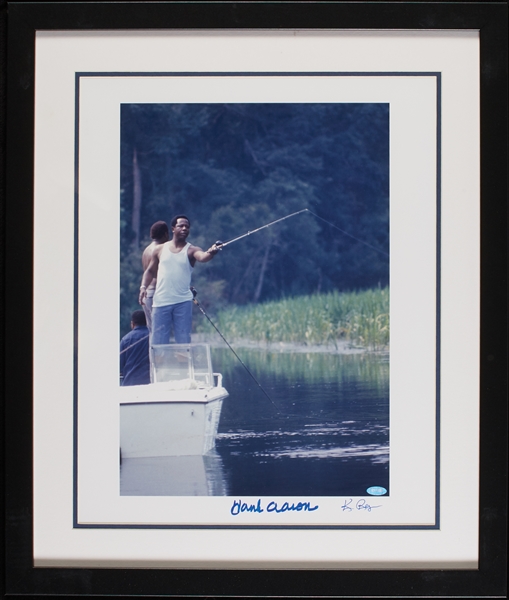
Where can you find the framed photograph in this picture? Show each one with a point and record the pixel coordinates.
(265, 322)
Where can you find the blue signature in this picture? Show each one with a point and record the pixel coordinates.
(359, 505)
(239, 507)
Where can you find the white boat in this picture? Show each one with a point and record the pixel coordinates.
(178, 414)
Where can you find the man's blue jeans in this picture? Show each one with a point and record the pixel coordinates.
(177, 315)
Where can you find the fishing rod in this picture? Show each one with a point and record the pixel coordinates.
(193, 290)
(224, 339)
(221, 245)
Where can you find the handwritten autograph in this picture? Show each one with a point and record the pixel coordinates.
(240, 507)
(359, 505)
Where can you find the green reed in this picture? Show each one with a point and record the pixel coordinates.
(359, 318)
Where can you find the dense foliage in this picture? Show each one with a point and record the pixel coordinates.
(234, 167)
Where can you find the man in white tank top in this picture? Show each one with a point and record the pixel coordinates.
(172, 264)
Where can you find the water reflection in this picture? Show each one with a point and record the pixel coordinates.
(173, 476)
(293, 367)
(329, 434)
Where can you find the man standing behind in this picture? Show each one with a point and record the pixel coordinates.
(172, 264)
(134, 356)
(160, 235)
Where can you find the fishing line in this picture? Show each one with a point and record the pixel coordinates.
(319, 418)
(136, 342)
(205, 314)
(348, 234)
(222, 245)
(238, 357)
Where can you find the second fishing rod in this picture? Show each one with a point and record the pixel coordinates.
(194, 291)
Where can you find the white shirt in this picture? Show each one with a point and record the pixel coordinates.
(173, 277)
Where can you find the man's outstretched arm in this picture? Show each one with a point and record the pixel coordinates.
(203, 256)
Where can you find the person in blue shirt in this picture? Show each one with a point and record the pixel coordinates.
(134, 353)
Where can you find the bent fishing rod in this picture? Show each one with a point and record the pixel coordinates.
(226, 342)
(222, 245)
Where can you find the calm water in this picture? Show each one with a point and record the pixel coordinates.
(325, 433)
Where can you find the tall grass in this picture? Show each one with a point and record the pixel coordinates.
(359, 318)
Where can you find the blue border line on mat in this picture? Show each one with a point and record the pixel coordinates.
(78, 76)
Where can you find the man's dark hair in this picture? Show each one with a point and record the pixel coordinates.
(138, 318)
(158, 230)
(175, 219)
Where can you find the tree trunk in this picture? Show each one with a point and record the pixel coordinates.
(135, 223)
(265, 260)
(246, 272)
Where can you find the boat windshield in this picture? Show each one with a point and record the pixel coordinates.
(174, 362)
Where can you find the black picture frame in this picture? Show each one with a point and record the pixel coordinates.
(21, 21)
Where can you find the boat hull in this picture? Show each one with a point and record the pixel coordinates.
(178, 423)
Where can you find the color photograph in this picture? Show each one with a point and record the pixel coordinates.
(254, 299)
